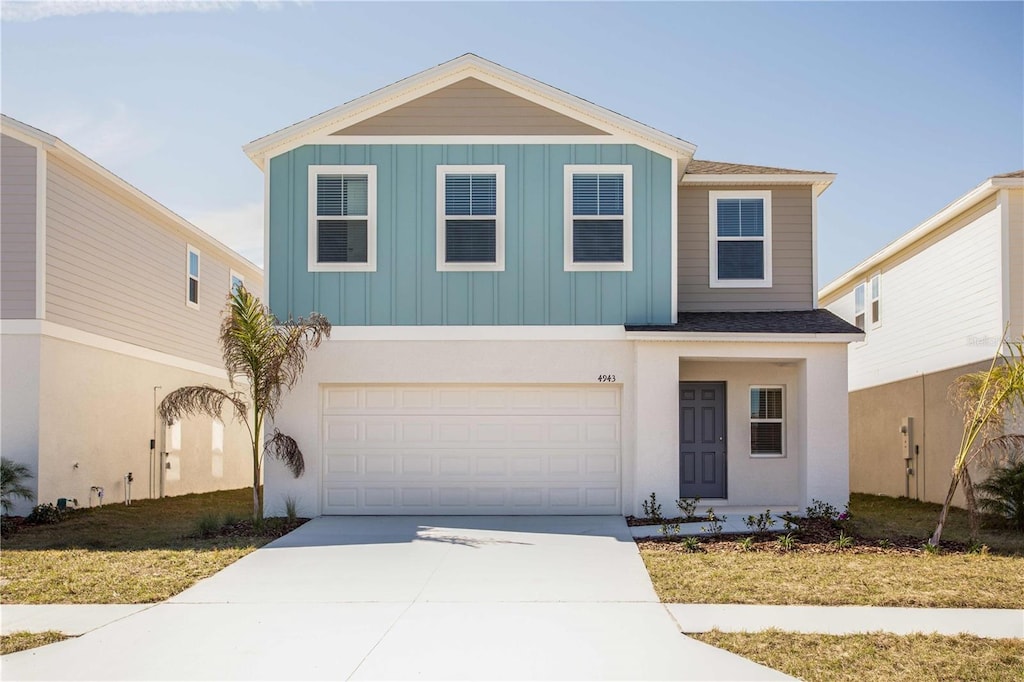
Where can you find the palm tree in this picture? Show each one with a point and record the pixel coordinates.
(264, 360)
(986, 398)
(12, 483)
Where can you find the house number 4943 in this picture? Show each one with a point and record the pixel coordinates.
(606, 377)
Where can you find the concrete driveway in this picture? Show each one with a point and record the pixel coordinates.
(408, 598)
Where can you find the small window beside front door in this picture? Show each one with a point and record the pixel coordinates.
(767, 430)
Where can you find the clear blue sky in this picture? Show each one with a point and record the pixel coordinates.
(911, 104)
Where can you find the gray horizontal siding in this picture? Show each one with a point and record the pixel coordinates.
(17, 229)
(118, 270)
(470, 107)
(792, 255)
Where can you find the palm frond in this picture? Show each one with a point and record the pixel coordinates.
(285, 449)
(12, 483)
(1007, 448)
(206, 400)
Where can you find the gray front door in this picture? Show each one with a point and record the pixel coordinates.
(702, 439)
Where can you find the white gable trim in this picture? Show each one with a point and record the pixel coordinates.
(819, 181)
(466, 66)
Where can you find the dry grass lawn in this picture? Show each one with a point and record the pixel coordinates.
(19, 641)
(973, 581)
(122, 555)
(863, 658)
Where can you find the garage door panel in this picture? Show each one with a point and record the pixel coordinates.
(471, 449)
(466, 400)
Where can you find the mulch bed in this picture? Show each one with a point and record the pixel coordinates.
(644, 521)
(814, 536)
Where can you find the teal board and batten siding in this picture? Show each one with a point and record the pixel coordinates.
(534, 289)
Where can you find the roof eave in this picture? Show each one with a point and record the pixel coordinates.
(950, 211)
(417, 85)
(819, 181)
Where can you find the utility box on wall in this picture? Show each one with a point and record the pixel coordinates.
(907, 437)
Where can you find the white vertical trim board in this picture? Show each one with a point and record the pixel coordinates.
(713, 281)
(41, 174)
(440, 227)
(626, 171)
(312, 264)
(814, 250)
(674, 222)
(265, 293)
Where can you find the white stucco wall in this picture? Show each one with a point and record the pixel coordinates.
(97, 411)
(19, 407)
(434, 362)
(816, 465)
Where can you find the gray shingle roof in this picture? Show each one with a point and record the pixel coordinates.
(818, 321)
(700, 167)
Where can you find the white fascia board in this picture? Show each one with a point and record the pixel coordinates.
(719, 337)
(480, 333)
(819, 181)
(438, 77)
(854, 275)
(84, 338)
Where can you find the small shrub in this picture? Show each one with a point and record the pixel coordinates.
(714, 525)
(687, 506)
(787, 523)
(45, 513)
(885, 543)
(929, 548)
(692, 544)
(669, 529)
(208, 525)
(13, 476)
(1002, 493)
(746, 544)
(761, 523)
(652, 508)
(786, 542)
(290, 506)
(978, 548)
(822, 510)
(844, 541)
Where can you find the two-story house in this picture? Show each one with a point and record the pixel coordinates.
(542, 306)
(934, 304)
(108, 302)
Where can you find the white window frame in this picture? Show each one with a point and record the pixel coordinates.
(874, 291)
(232, 276)
(189, 250)
(499, 219)
(864, 311)
(714, 239)
(312, 264)
(781, 420)
(626, 171)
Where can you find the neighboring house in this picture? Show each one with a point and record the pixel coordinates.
(108, 302)
(541, 306)
(934, 305)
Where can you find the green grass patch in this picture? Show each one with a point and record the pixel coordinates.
(20, 641)
(119, 554)
(877, 656)
(877, 516)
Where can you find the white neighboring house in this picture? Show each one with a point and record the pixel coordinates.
(108, 301)
(934, 305)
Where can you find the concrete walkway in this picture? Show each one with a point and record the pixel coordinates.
(71, 619)
(405, 598)
(843, 620)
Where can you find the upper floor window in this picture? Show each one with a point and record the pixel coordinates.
(598, 217)
(740, 232)
(342, 218)
(192, 279)
(471, 218)
(767, 412)
(876, 300)
(236, 281)
(858, 307)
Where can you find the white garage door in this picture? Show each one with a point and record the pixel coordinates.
(471, 449)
